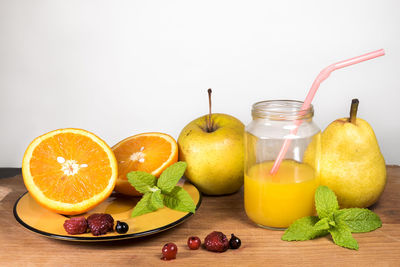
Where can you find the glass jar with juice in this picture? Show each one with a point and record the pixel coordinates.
(277, 200)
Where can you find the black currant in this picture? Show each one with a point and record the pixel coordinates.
(234, 242)
(121, 227)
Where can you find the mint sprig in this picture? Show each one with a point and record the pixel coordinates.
(340, 223)
(161, 192)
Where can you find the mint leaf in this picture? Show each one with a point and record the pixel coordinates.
(322, 224)
(358, 220)
(143, 206)
(156, 199)
(142, 181)
(325, 202)
(179, 199)
(341, 235)
(339, 223)
(171, 175)
(303, 229)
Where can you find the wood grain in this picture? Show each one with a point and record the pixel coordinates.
(20, 247)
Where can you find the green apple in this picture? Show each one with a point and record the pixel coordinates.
(213, 149)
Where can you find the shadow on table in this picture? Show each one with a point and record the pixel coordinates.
(9, 172)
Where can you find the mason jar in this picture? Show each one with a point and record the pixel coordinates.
(275, 199)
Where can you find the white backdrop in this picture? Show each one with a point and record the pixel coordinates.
(119, 68)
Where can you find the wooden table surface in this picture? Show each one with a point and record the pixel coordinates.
(259, 246)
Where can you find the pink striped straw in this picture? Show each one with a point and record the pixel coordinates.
(307, 102)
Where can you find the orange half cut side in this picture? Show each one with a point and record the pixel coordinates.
(148, 152)
(69, 171)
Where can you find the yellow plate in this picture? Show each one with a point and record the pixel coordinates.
(47, 223)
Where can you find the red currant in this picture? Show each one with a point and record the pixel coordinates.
(193, 242)
(169, 251)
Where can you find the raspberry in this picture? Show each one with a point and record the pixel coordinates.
(76, 225)
(100, 223)
(217, 242)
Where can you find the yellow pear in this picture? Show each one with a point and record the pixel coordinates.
(351, 163)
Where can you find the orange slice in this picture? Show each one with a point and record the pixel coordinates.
(148, 152)
(69, 171)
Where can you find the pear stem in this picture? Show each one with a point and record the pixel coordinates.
(353, 110)
(209, 123)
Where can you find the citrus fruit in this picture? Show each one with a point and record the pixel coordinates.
(148, 152)
(69, 171)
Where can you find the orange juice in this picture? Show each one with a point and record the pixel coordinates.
(277, 201)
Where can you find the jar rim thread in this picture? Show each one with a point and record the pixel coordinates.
(281, 110)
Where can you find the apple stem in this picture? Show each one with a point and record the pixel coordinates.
(353, 110)
(209, 122)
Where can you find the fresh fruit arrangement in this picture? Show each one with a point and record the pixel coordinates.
(71, 171)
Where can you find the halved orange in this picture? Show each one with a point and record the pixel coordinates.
(69, 171)
(148, 152)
